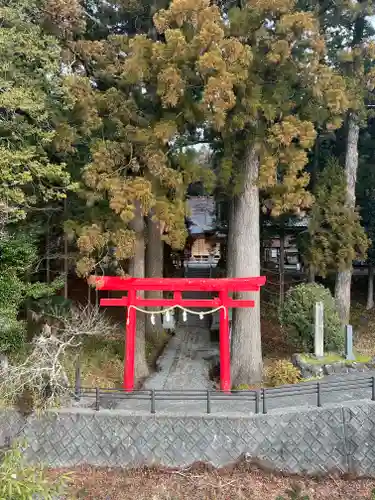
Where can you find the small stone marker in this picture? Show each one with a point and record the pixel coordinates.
(349, 354)
(319, 330)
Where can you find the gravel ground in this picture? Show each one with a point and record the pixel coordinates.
(243, 482)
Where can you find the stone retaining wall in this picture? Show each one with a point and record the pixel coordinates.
(338, 368)
(315, 440)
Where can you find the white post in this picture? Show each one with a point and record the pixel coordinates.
(349, 354)
(319, 330)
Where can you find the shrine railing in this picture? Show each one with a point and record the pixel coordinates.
(312, 394)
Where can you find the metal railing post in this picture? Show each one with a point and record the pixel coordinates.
(318, 397)
(77, 385)
(208, 402)
(257, 402)
(264, 401)
(153, 409)
(373, 389)
(97, 399)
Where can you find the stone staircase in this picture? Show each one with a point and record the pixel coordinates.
(194, 272)
(203, 271)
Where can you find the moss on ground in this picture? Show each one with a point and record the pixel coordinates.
(332, 358)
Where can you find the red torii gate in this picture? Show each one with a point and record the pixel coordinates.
(220, 286)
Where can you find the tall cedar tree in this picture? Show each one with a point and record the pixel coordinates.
(255, 77)
(365, 193)
(348, 36)
(336, 237)
(355, 62)
(135, 167)
(31, 91)
(31, 95)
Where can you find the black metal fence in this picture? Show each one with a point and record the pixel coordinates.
(311, 393)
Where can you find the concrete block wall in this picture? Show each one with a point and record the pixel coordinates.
(314, 440)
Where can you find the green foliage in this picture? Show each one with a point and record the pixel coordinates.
(56, 306)
(365, 191)
(18, 253)
(12, 331)
(297, 318)
(283, 372)
(31, 94)
(39, 290)
(335, 236)
(19, 481)
(198, 71)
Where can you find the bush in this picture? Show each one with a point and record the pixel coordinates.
(19, 481)
(283, 372)
(297, 318)
(18, 253)
(12, 332)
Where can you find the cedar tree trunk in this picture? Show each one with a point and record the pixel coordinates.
(245, 262)
(137, 269)
(154, 269)
(282, 268)
(344, 278)
(370, 288)
(311, 275)
(230, 243)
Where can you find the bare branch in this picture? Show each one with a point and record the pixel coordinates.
(43, 373)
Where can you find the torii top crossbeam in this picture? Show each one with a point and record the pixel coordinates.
(181, 284)
(222, 286)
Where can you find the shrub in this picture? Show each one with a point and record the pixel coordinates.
(297, 318)
(283, 372)
(19, 481)
(18, 253)
(12, 332)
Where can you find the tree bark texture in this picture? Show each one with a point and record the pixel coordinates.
(230, 242)
(344, 278)
(311, 274)
(48, 252)
(66, 257)
(137, 269)
(244, 252)
(154, 269)
(370, 288)
(282, 268)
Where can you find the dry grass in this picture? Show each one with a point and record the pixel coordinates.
(101, 362)
(274, 344)
(243, 482)
(364, 329)
(102, 359)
